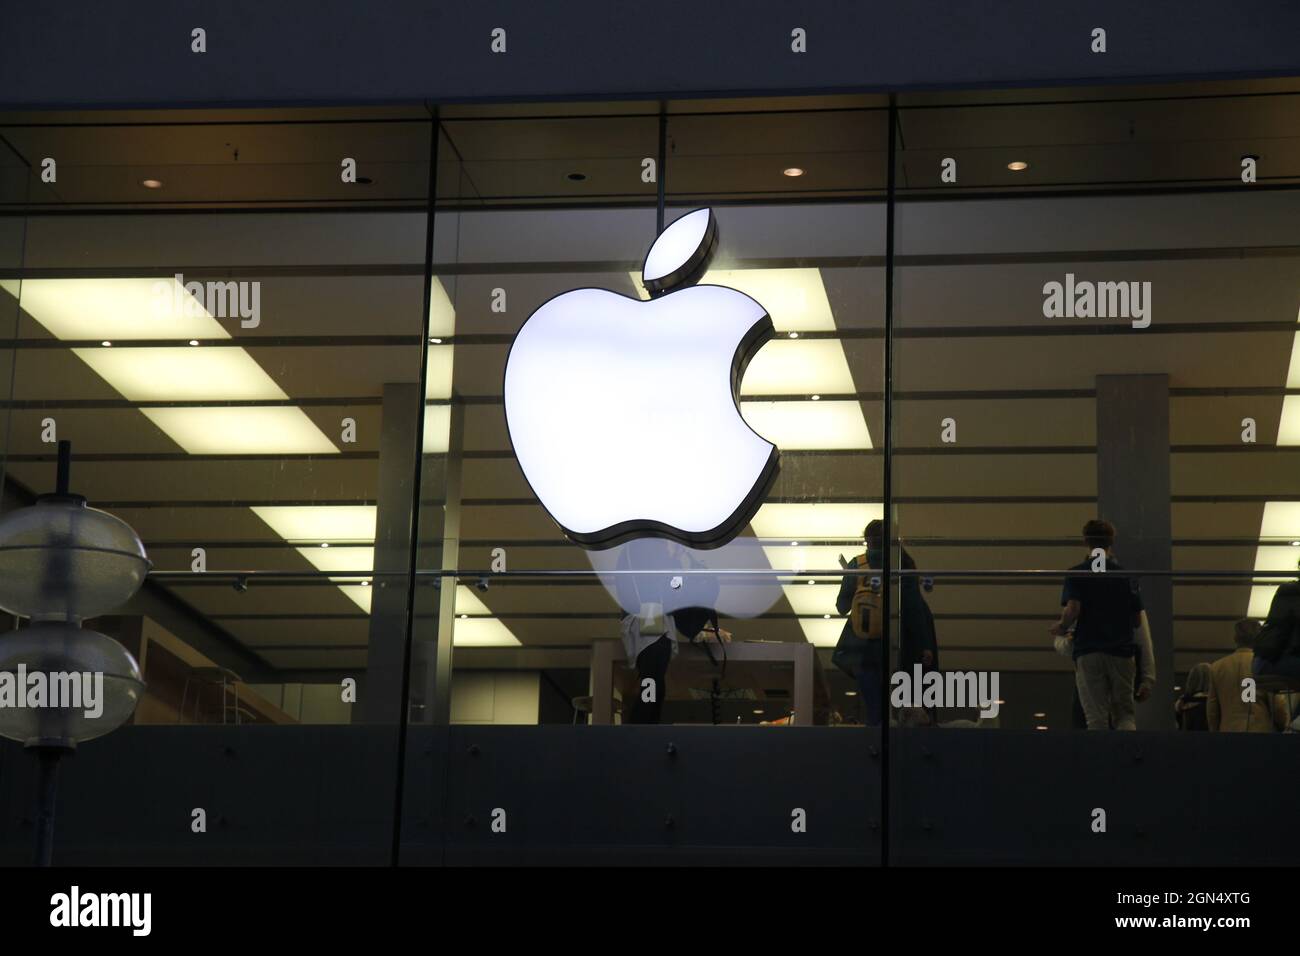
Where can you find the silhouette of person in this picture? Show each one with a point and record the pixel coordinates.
(662, 607)
(1103, 608)
(865, 658)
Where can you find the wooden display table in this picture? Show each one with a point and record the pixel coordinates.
(749, 664)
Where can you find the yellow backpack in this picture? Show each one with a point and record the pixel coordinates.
(864, 613)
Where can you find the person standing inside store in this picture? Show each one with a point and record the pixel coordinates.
(663, 607)
(1103, 607)
(1145, 667)
(1277, 647)
(1226, 712)
(865, 657)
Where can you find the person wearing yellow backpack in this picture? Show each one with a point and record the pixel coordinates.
(860, 652)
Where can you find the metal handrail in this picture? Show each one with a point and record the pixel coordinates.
(726, 572)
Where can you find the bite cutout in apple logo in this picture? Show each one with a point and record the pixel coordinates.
(624, 414)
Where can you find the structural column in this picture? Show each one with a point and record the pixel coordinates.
(435, 602)
(380, 694)
(1133, 492)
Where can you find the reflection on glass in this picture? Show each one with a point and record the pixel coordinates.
(524, 276)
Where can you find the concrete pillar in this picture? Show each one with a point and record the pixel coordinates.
(435, 606)
(380, 694)
(1133, 493)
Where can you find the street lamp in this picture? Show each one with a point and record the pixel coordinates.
(60, 563)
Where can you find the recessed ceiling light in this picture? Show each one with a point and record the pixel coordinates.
(999, 702)
(809, 425)
(798, 367)
(303, 523)
(818, 631)
(816, 398)
(151, 183)
(106, 343)
(794, 335)
(757, 711)
(433, 341)
(850, 693)
(812, 605)
(442, 314)
(179, 374)
(1295, 544)
(242, 430)
(793, 171)
(576, 177)
(464, 617)
(1041, 727)
(482, 632)
(1040, 716)
(794, 544)
(832, 521)
(324, 544)
(1018, 166)
(437, 429)
(140, 308)
(341, 558)
(811, 581)
(438, 364)
(344, 559)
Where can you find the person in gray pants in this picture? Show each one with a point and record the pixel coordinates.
(1103, 608)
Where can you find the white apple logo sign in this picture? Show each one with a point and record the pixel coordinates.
(624, 414)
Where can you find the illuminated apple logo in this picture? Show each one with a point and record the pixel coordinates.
(624, 414)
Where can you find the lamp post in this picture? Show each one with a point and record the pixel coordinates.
(60, 563)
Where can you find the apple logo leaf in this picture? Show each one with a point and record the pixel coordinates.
(681, 253)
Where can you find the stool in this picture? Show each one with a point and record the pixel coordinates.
(581, 705)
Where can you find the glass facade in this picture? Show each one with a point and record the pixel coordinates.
(278, 344)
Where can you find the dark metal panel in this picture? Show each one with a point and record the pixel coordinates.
(661, 794)
(1013, 797)
(322, 795)
(273, 796)
(423, 787)
(82, 53)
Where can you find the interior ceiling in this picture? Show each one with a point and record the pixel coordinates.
(718, 149)
(342, 303)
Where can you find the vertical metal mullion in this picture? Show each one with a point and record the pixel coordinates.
(661, 173)
(18, 317)
(403, 718)
(885, 571)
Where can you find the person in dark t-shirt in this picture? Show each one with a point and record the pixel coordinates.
(1102, 608)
